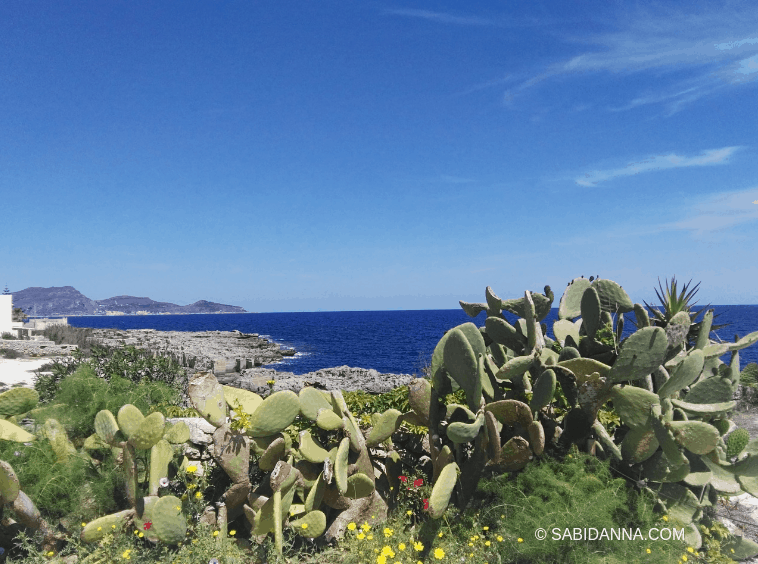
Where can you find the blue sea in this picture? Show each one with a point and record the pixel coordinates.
(399, 342)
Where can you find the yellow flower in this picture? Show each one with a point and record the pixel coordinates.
(440, 535)
(439, 554)
(387, 551)
(471, 544)
(418, 547)
(141, 535)
(51, 553)
(191, 469)
(351, 526)
(485, 528)
(99, 528)
(304, 525)
(232, 533)
(191, 486)
(665, 517)
(113, 526)
(387, 532)
(690, 550)
(684, 558)
(409, 512)
(125, 555)
(136, 532)
(360, 536)
(366, 527)
(519, 539)
(370, 537)
(401, 546)
(502, 516)
(194, 541)
(648, 551)
(84, 524)
(487, 543)
(381, 559)
(215, 533)
(198, 495)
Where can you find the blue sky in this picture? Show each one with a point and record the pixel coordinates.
(377, 155)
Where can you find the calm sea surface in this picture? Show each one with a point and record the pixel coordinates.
(398, 342)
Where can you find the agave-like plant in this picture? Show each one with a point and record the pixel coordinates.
(673, 304)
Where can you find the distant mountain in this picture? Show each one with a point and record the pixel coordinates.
(67, 300)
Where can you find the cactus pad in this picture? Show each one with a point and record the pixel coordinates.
(386, 424)
(273, 454)
(442, 490)
(161, 454)
(543, 391)
(328, 420)
(641, 353)
(461, 364)
(90, 533)
(177, 434)
(9, 486)
(536, 437)
(460, 432)
(613, 298)
(311, 450)
(169, 524)
(11, 432)
(276, 413)
(633, 405)
(697, 437)
(249, 401)
(106, 427)
(17, 401)
(510, 412)
(736, 442)
(685, 373)
(129, 418)
(590, 312)
(312, 525)
(149, 431)
(638, 445)
(207, 397)
(340, 465)
(358, 486)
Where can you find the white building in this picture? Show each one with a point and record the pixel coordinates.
(6, 313)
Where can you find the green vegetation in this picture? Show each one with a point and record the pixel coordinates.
(504, 436)
(9, 353)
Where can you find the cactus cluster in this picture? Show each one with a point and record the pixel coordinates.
(673, 399)
(525, 394)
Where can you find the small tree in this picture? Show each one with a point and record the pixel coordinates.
(19, 315)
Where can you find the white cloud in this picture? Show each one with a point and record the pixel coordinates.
(441, 17)
(658, 162)
(717, 212)
(671, 42)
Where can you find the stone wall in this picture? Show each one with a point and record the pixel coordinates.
(37, 348)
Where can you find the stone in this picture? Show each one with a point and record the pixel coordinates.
(201, 432)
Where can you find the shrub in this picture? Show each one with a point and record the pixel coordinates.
(10, 353)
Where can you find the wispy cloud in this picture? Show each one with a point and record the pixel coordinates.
(441, 17)
(717, 47)
(658, 162)
(717, 212)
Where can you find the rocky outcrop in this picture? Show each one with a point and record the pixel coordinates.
(37, 348)
(343, 378)
(208, 350)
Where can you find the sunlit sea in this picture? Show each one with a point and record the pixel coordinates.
(398, 342)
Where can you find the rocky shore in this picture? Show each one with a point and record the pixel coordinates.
(237, 360)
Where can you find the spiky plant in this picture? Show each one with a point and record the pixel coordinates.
(673, 304)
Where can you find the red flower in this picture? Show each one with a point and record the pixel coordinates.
(147, 525)
(403, 479)
(426, 504)
(417, 483)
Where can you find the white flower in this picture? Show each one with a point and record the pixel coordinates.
(163, 482)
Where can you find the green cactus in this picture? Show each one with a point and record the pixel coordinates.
(442, 490)
(129, 419)
(543, 391)
(177, 434)
(106, 427)
(340, 465)
(148, 432)
(17, 401)
(696, 436)
(328, 420)
(570, 304)
(55, 433)
(591, 310)
(11, 432)
(275, 413)
(386, 424)
(461, 363)
(312, 525)
(641, 353)
(613, 299)
(96, 530)
(207, 397)
(161, 455)
(736, 442)
(169, 523)
(9, 486)
(460, 432)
